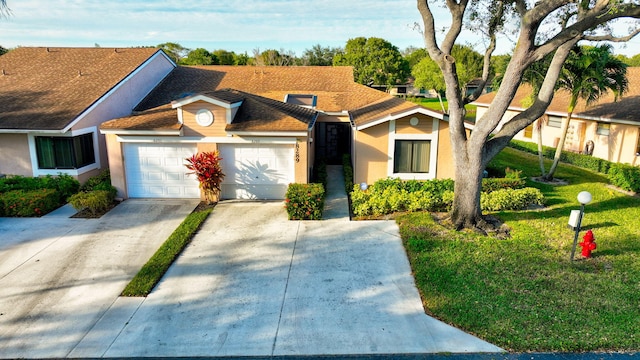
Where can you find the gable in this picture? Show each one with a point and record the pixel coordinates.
(47, 88)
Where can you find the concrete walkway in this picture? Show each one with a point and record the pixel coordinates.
(252, 283)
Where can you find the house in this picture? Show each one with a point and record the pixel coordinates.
(52, 101)
(607, 129)
(271, 125)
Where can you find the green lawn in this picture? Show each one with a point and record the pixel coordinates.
(524, 294)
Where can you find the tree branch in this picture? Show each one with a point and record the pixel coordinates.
(611, 37)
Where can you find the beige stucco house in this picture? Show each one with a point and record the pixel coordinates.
(608, 129)
(52, 101)
(271, 125)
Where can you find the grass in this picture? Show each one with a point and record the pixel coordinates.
(151, 273)
(523, 293)
(434, 104)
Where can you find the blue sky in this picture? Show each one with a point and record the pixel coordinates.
(235, 25)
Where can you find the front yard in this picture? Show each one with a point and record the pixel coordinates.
(523, 293)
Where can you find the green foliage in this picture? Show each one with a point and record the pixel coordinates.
(206, 166)
(174, 50)
(26, 203)
(348, 172)
(151, 273)
(510, 199)
(225, 57)
(625, 176)
(62, 186)
(428, 75)
(200, 56)
(319, 56)
(493, 184)
(584, 161)
(305, 201)
(101, 181)
(391, 195)
(96, 201)
(375, 61)
(320, 173)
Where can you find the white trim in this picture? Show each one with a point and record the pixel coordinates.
(269, 133)
(142, 132)
(180, 116)
(420, 110)
(206, 140)
(201, 97)
(116, 87)
(33, 154)
(433, 152)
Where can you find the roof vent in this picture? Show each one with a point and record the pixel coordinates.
(79, 72)
(4, 72)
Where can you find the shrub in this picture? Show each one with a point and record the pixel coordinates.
(493, 184)
(66, 185)
(320, 173)
(206, 166)
(305, 201)
(581, 160)
(96, 201)
(625, 176)
(510, 199)
(26, 203)
(348, 173)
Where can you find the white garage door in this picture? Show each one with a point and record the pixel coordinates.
(158, 171)
(256, 171)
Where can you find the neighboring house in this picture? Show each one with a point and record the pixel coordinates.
(608, 129)
(52, 101)
(271, 125)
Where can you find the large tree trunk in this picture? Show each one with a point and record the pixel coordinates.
(466, 211)
(539, 126)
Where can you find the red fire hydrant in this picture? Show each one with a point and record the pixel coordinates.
(588, 244)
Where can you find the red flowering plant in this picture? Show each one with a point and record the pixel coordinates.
(206, 166)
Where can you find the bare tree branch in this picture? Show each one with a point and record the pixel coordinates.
(612, 38)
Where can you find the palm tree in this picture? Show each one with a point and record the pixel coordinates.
(4, 9)
(588, 74)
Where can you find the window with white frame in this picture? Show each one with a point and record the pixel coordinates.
(603, 129)
(638, 144)
(554, 121)
(412, 156)
(63, 152)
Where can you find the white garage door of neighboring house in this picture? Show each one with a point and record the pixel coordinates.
(158, 171)
(256, 171)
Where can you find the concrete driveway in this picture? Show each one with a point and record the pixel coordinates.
(58, 276)
(253, 283)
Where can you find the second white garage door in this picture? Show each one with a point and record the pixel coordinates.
(256, 171)
(158, 171)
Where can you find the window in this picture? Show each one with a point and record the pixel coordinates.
(554, 121)
(603, 129)
(411, 156)
(65, 152)
(528, 131)
(638, 144)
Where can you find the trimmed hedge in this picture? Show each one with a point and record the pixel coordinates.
(391, 195)
(625, 176)
(29, 203)
(581, 160)
(305, 201)
(96, 201)
(348, 173)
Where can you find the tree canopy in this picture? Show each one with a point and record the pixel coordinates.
(427, 73)
(319, 55)
(200, 56)
(375, 61)
(539, 28)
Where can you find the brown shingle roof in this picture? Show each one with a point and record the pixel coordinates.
(626, 108)
(47, 88)
(334, 86)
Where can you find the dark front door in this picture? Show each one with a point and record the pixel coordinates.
(332, 141)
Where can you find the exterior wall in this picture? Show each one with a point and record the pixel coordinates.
(619, 146)
(445, 166)
(116, 164)
(301, 153)
(14, 152)
(192, 128)
(371, 159)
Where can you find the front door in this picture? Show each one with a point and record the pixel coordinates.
(332, 141)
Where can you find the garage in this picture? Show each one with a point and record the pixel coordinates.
(158, 171)
(256, 171)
